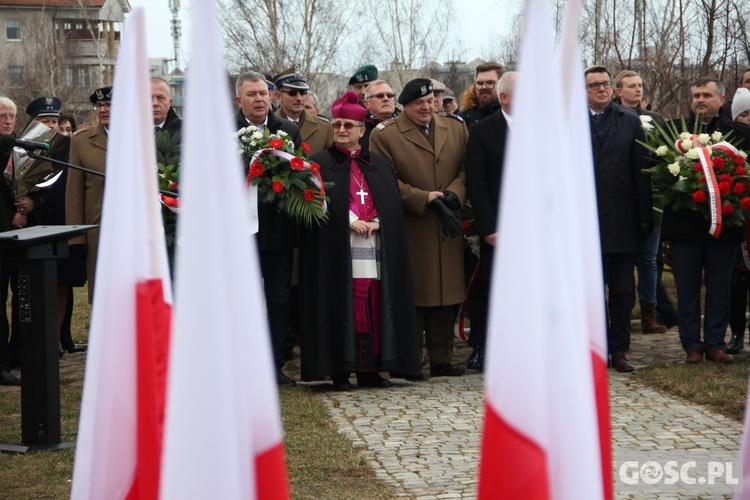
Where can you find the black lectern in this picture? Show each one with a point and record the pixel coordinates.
(36, 250)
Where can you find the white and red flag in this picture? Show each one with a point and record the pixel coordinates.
(223, 434)
(585, 222)
(541, 433)
(120, 428)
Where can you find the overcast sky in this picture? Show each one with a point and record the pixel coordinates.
(477, 23)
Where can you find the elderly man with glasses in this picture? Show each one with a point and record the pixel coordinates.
(484, 102)
(380, 102)
(291, 89)
(85, 192)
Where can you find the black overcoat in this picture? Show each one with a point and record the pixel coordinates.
(326, 286)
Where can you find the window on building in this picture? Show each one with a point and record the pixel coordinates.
(12, 29)
(15, 76)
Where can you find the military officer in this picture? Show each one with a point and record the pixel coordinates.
(85, 192)
(427, 152)
(291, 89)
(360, 80)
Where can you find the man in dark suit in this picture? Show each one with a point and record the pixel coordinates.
(698, 257)
(277, 234)
(484, 171)
(624, 201)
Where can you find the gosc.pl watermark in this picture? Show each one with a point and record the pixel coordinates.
(674, 472)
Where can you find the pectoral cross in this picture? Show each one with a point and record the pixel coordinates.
(361, 193)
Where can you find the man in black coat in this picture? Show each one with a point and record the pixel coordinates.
(624, 201)
(165, 117)
(698, 257)
(277, 234)
(485, 152)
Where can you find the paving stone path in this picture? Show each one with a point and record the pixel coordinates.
(422, 438)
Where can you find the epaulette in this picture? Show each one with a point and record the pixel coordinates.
(80, 131)
(324, 118)
(384, 124)
(445, 114)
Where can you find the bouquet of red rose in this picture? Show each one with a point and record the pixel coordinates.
(282, 175)
(702, 172)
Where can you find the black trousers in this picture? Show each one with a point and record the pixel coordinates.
(620, 280)
(739, 298)
(480, 296)
(276, 266)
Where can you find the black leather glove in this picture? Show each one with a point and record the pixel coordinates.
(450, 222)
(451, 201)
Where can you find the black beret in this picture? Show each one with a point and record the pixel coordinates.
(44, 106)
(364, 74)
(102, 94)
(419, 87)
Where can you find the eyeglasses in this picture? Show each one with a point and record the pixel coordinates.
(599, 85)
(294, 92)
(488, 84)
(346, 125)
(383, 95)
(103, 105)
(7, 116)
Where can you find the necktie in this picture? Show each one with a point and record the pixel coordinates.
(426, 130)
(157, 129)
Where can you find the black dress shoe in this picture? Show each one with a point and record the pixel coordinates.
(476, 360)
(446, 370)
(341, 382)
(372, 379)
(7, 378)
(282, 379)
(75, 349)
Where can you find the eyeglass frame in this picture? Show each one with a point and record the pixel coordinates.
(382, 95)
(294, 92)
(599, 85)
(103, 105)
(346, 125)
(489, 84)
(8, 116)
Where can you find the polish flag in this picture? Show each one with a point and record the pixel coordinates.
(223, 434)
(120, 428)
(541, 438)
(586, 218)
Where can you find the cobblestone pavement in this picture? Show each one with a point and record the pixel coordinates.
(423, 437)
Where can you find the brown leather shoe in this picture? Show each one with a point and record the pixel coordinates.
(694, 357)
(622, 363)
(716, 355)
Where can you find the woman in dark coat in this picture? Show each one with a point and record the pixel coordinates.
(356, 298)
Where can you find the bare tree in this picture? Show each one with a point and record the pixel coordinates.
(411, 34)
(273, 35)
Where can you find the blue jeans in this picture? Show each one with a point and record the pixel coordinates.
(645, 261)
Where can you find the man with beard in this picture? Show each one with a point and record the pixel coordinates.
(85, 192)
(277, 234)
(380, 102)
(485, 100)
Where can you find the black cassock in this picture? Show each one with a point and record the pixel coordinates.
(328, 339)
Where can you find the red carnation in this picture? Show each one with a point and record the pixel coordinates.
(256, 169)
(465, 226)
(275, 143)
(725, 178)
(309, 195)
(727, 209)
(277, 186)
(297, 163)
(745, 203)
(698, 167)
(699, 197)
(740, 161)
(739, 188)
(170, 201)
(173, 186)
(315, 168)
(718, 163)
(725, 187)
(305, 147)
(740, 171)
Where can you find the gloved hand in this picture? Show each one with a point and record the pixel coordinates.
(451, 201)
(450, 222)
